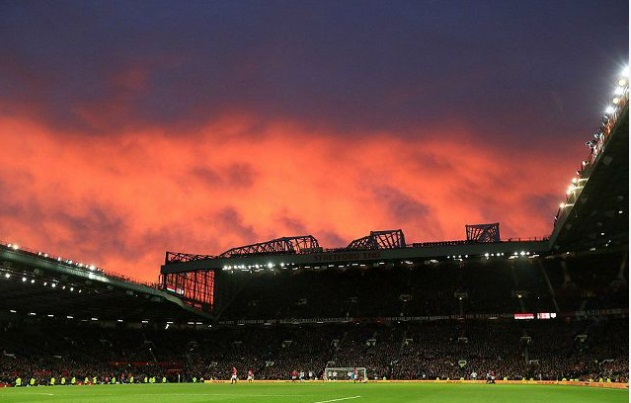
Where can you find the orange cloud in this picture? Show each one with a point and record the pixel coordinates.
(122, 201)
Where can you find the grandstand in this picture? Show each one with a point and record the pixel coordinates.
(421, 310)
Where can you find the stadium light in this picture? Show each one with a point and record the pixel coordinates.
(618, 91)
(13, 311)
(24, 279)
(625, 71)
(69, 317)
(622, 82)
(7, 275)
(610, 110)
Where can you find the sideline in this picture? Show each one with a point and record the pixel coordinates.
(337, 400)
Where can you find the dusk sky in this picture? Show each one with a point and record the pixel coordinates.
(135, 127)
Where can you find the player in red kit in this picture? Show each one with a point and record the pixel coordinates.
(233, 378)
(250, 375)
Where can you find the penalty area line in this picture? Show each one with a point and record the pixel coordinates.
(337, 400)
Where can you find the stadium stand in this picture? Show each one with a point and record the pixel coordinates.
(549, 308)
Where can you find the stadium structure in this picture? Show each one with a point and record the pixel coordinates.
(395, 308)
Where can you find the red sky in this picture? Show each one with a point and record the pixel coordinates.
(122, 202)
(130, 129)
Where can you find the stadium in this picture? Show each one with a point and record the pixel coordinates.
(380, 319)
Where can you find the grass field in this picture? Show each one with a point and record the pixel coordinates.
(314, 393)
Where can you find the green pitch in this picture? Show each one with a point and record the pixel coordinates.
(313, 393)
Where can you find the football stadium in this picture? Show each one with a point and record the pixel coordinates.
(482, 318)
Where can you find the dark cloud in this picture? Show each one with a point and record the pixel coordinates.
(229, 222)
(328, 239)
(355, 66)
(237, 175)
(294, 225)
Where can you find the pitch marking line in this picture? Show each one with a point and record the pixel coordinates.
(337, 400)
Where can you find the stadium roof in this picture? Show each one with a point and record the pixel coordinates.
(35, 285)
(596, 213)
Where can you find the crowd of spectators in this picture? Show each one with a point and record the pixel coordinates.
(547, 350)
(440, 346)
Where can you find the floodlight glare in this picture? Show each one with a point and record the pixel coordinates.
(610, 110)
